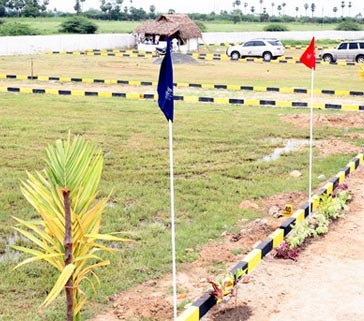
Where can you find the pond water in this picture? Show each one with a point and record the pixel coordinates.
(290, 146)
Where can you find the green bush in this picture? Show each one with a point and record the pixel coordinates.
(201, 26)
(275, 27)
(78, 25)
(16, 29)
(348, 26)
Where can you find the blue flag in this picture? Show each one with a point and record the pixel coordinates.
(165, 84)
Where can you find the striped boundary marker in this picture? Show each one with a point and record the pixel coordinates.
(286, 90)
(131, 54)
(187, 99)
(199, 56)
(200, 307)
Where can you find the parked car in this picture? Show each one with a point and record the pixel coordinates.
(348, 50)
(261, 48)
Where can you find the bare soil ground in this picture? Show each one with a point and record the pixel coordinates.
(325, 284)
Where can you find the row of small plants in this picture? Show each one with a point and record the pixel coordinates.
(331, 208)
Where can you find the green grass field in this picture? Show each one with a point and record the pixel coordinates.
(48, 26)
(218, 153)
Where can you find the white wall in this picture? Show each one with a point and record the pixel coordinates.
(221, 37)
(22, 45)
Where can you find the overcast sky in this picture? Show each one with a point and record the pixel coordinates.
(323, 7)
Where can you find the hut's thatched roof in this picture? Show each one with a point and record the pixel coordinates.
(170, 24)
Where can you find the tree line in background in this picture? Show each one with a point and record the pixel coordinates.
(242, 11)
(276, 12)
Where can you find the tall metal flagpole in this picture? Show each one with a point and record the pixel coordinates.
(174, 272)
(311, 142)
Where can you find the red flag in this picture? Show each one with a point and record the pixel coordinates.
(308, 57)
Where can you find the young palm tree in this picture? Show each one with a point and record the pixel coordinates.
(67, 233)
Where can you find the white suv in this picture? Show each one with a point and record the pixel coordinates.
(263, 48)
(348, 50)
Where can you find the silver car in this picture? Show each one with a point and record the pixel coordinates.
(261, 48)
(347, 50)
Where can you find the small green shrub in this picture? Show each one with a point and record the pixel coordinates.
(348, 26)
(201, 26)
(275, 27)
(300, 231)
(78, 25)
(317, 223)
(16, 29)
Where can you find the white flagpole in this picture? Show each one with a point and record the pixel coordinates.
(311, 142)
(174, 273)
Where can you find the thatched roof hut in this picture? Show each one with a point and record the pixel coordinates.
(174, 26)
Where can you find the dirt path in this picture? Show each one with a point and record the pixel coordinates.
(325, 284)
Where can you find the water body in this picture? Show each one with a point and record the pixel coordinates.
(9, 253)
(290, 146)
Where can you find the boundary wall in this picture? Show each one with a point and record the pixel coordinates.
(25, 45)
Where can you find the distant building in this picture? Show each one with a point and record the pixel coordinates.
(183, 32)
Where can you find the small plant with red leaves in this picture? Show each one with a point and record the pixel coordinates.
(284, 251)
(222, 288)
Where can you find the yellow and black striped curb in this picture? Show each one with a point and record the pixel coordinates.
(286, 90)
(199, 56)
(80, 79)
(108, 53)
(200, 307)
(187, 99)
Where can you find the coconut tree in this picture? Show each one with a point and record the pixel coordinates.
(349, 6)
(313, 8)
(246, 4)
(297, 9)
(306, 8)
(70, 210)
(335, 10)
(261, 5)
(284, 6)
(272, 4)
(342, 8)
(279, 8)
